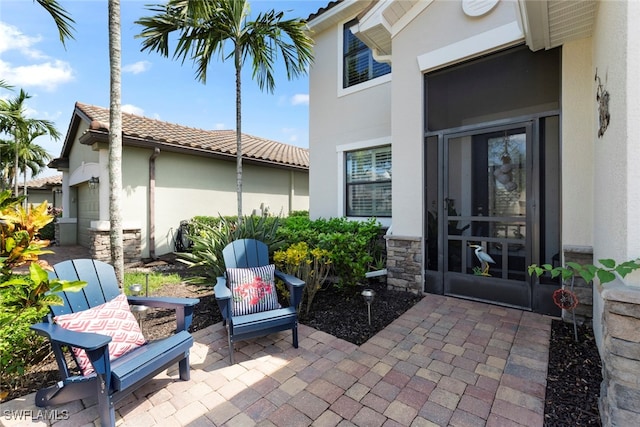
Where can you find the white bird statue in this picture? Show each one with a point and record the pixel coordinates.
(484, 258)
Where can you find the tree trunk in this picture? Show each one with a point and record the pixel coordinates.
(115, 142)
(238, 132)
(16, 161)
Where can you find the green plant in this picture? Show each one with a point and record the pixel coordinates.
(155, 280)
(210, 237)
(588, 272)
(310, 265)
(24, 298)
(352, 244)
(566, 298)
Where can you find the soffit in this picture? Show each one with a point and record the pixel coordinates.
(551, 23)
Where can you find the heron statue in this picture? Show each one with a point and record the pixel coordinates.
(484, 258)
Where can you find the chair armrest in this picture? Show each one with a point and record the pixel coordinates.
(220, 289)
(60, 335)
(183, 307)
(289, 279)
(223, 297)
(295, 285)
(163, 302)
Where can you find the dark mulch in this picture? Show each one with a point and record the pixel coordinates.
(573, 378)
(573, 383)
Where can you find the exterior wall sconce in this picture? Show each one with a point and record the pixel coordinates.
(93, 182)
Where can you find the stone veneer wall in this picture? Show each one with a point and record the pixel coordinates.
(583, 290)
(620, 390)
(101, 247)
(404, 263)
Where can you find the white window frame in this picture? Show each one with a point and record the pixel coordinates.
(341, 151)
(342, 91)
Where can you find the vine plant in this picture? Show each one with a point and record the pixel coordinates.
(566, 299)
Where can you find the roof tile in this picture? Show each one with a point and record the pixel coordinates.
(221, 141)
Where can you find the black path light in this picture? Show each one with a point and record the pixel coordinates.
(368, 295)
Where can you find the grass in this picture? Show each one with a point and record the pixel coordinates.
(156, 280)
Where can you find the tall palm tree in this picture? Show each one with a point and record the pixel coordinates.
(206, 28)
(22, 129)
(115, 140)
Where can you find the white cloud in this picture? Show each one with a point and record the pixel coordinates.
(47, 75)
(300, 99)
(137, 67)
(132, 109)
(38, 70)
(220, 126)
(12, 39)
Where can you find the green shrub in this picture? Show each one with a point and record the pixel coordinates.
(353, 245)
(211, 236)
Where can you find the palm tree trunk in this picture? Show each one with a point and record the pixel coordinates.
(16, 161)
(115, 142)
(238, 131)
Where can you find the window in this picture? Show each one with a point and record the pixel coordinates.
(369, 182)
(359, 65)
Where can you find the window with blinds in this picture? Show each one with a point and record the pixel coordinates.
(359, 65)
(368, 181)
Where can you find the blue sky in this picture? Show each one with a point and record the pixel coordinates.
(32, 58)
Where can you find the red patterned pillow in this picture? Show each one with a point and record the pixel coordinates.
(253, 289)
(113, 318)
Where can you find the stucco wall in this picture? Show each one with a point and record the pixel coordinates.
(338, 120)
(616, 193)
(578, 105)
(438, 26)
(187, 186)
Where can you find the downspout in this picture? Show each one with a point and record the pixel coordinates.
(152, 203)
(375, 53)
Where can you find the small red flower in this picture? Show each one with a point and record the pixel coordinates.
(565, 299)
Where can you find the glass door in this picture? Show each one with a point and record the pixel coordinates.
(486, 228)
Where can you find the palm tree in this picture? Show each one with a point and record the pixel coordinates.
(63, 20)
(115, 141)
(206, 28)
(22, 129)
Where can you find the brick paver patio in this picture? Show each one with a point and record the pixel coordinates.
(445, 362)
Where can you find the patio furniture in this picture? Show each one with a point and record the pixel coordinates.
(113, 357)
(247, 297)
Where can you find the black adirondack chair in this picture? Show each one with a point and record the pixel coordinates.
(115, 379)
(245, 253)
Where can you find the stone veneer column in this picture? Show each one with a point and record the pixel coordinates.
(404, 263)
(620, 390)
(100, 245)
(583, 290)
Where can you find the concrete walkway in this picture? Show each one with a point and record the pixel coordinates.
(445, 362)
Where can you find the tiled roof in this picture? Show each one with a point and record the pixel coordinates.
(217, 141)
(322, 10)
(45, 181)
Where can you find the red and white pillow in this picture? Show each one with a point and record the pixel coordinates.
(113, 318)
(253, 289)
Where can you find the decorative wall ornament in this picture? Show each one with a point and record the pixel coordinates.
(602, 97)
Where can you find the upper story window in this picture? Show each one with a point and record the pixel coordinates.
(359, 65)
(368, 191)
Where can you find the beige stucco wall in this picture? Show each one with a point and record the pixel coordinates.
(616, 42)
(188, 186)
(578, 106)
(440, 25)
(338, 121)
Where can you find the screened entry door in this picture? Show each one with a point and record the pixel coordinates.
(485, 200)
